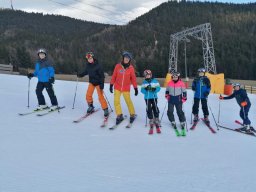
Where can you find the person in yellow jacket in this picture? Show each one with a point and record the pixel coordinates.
(122, 78)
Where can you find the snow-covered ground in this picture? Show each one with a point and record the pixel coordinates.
(52, 154)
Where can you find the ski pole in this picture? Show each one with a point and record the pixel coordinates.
(75, 93)
(146, 124)
(163, 111)
(214, 118)
(219, 112)
(107, 101)
(28, 91)
(185, 117)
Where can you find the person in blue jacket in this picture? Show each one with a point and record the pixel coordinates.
(44, 71)
(244, 102)
(150, 86)
(202, 87)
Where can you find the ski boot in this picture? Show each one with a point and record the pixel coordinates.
(177, 132)
(106, 112)
(245, 129)
(183, 132)
(157, 124)
(41, 107)
(196, 119)
(151, 125)
(54, 107)
(119, 119)
(132, 118)
(206, 120)
(90, 108)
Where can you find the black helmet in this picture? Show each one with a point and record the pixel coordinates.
(42, 50)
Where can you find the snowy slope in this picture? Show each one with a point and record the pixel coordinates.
(52, 154)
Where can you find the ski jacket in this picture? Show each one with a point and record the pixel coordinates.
(95, 72)
(176, 90)
(43, 70)
(202, 87)
(149, 94)
(240, 96)
(122, 78)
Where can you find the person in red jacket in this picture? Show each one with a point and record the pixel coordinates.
(122, 78)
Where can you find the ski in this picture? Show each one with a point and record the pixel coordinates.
(105, 121)
(85, 116)
(240, 123)
(34, 111)
(129, 125)
(194, 125)
(237, 130)
(50, 111)
(209, 126)
(116, 125)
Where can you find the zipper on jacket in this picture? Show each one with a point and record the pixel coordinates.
(123, 79)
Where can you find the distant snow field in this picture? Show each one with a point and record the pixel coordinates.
(53, 154)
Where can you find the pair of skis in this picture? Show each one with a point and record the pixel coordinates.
(207, 123)
(129, 125)
(44, 111)
(177, 132)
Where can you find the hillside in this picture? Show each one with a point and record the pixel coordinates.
(53, 154)
(233, 27)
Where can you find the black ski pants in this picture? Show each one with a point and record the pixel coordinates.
(179, 111)
(49, 88)
(195, 109)
(152, 108)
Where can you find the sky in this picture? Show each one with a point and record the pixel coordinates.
(103, 11)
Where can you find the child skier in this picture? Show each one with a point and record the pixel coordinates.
(44, 71)
(149, 88)
(96, 81)
(122, 78)
(202, 87)
(244, 103)
(176, 94)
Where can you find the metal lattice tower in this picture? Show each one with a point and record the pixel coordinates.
(201, 32)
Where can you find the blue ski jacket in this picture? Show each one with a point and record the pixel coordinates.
(146, 88)
(43, 70)
(202, 87)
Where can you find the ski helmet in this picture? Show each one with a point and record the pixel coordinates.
(127, 54)
(147, 72)
(175, 74)
(41, 50)
(236, 84)
(89, 55)
(201, 70)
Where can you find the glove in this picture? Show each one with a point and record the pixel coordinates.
(167, 97)
(206, 94)
(51, 80)
(184, 99)
(243, 104)
(102, 86)
(136, 91)
(30, 75)
(111, 88)
(148, 88)
(153, 89)
(79, 75)
(221, 97)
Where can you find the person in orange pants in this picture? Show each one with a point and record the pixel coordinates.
(122, 78)
(96, 81)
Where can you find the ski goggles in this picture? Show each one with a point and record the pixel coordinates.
(89, 55)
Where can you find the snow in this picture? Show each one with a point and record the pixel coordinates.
(52, 154)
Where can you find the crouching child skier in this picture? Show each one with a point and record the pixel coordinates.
(176, 95)
(150, 86)
(44, 71)
(244, 103)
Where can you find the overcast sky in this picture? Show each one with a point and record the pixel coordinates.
(103, 11)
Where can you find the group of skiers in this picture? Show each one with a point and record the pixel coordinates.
(122, 79)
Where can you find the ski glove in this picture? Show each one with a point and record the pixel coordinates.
(243, 104)
(30, 75)
(111, 88)
(148, 88)
(206, 94)
(167, 97)
(184, 99)
(153, 89)
(102, 86)
(136, 91)
(51, 80)
(221, 97)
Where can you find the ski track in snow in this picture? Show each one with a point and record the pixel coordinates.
(51, 153)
